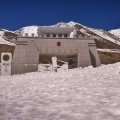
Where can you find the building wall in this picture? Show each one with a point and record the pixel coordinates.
(83, 56)
(27, 50)
(95, 60)
(25, 59)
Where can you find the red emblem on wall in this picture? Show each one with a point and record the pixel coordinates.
(58, 43)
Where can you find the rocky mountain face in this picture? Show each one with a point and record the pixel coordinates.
(104, 39)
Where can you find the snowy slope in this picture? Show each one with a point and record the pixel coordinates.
(3, 41)
(116, 32)
(102, 36)
(84, 29)
(91, 32)
(78, 94)
(63, 24)
(29, 30)
(106, 35)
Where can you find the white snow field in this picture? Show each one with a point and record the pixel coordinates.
(77, 94)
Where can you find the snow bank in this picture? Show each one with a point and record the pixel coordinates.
(77, 94)
(109, 50)
(3, 41)
(30, 30)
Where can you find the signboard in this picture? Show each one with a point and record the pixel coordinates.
(6, 64)
(59, 51)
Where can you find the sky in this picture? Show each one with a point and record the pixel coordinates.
(100, 14)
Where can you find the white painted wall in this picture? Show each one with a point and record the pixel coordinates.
(6, 64)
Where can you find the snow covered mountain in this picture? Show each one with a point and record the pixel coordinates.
(29, 30)
(95, 33)
(103, 39)
(4, 38)
(63, 24)
(116, 32)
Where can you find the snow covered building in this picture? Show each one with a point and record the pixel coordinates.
(53, 41)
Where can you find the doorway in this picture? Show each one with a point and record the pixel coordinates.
(63, 61)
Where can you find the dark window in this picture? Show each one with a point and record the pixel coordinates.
(54, 35)
(26, 34)
(65, 35)
(32, 34)
(48, 35)
(59, 35)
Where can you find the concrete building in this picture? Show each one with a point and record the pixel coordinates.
(55, 32)
(53, 42)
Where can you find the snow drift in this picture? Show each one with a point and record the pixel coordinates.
(78, 94)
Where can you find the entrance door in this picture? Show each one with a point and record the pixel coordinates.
(46, 60)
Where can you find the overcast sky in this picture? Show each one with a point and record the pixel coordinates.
(101, 14)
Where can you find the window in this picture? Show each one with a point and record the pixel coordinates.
(26, 34)
(59, 35)
(54, 35)
(48, 35)
(32, 34)
(65, 35)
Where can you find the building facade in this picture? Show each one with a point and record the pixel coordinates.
(28, 51)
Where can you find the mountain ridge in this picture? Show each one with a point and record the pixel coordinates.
(84, 29)
(103, 39)
(108, 44)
